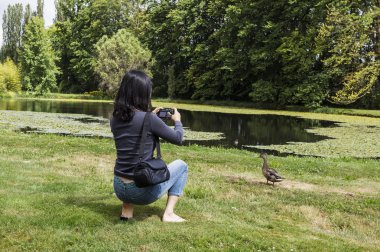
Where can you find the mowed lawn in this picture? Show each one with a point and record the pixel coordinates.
(56, 194)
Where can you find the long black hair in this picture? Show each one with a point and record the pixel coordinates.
(134, 94)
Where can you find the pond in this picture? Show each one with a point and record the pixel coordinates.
(238, 130)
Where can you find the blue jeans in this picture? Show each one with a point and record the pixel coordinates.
(130, 193)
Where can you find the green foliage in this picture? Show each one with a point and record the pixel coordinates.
(346, 39)
(263, 92)
(9, 77)
(219, 48)
(311, 92)
(37, 59)
(3, 88)
(357, 84)
(281, 52)
(116, 55)
(171, 83)
(80, 26)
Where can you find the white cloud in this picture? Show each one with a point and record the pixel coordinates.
(49, 11)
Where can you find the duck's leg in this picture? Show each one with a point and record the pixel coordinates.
(267, 181)
(273, 183)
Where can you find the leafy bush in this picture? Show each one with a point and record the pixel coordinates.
(9, 77)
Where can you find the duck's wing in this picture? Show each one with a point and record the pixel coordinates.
(275, 174)
(268, 174)
(273, 170)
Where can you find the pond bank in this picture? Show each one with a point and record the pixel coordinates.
(225, 105)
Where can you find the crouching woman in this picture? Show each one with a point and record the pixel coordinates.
(132, 102)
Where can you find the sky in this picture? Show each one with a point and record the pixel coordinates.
(49, 11)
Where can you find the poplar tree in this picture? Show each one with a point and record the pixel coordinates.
(12, 31)
(27, 15)
(40, 8)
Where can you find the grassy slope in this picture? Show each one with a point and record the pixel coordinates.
(56, 194)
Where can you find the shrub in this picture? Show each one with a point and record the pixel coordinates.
(10, 80)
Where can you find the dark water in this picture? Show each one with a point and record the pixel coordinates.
(242, 130)
(89, 108)
(239, 130)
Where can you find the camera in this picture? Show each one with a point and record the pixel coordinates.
(165, 113)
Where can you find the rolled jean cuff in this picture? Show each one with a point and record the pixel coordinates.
(175, 194)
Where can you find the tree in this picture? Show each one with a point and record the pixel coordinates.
(12, 31)
(277, 52)
(27, 16)
(37, 59)
(83, 23)
(351, 62)
(40, 8)
(118, 54)
(376, 34)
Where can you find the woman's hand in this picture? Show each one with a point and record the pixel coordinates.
(176, 117)
(156, 110)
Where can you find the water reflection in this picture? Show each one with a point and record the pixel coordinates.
(239, 130)
(253, 129)
(103, 109)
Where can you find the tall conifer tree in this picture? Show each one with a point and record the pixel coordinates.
(37, 59)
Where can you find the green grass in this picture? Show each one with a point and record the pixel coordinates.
(348, 111)
(56, 194)
(61, 96)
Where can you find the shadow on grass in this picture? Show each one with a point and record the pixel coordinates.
(111, 211)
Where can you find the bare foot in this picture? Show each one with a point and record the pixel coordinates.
(172, 217)
(127, 210)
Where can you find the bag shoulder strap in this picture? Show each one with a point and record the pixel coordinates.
(158, 146)
(145, 129)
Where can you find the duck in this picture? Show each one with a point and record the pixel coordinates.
(270, 174)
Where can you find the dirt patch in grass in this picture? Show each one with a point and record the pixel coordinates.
(315, 217)
(82, 165)
(360, 187)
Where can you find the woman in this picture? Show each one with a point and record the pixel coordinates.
(132, 102)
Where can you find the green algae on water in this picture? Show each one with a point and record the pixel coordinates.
(76, 125)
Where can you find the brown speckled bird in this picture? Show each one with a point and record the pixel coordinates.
(270, 174)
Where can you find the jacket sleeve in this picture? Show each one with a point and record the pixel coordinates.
(160, 129)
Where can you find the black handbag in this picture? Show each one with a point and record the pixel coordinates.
(152, 171)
